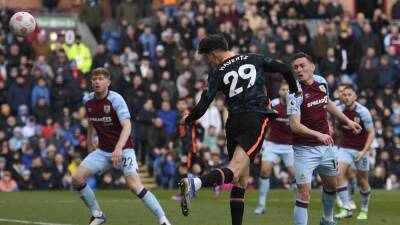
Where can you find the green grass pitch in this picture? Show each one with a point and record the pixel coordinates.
(122, 208)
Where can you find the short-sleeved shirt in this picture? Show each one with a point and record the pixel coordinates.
(242, 80)
(279, 130)
(312, 108)
(105, 115)
(361, 115)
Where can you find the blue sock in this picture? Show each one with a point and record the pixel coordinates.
(151, 202)
(350, 187)
(328, 201)
(344, 196)
(88, 197)
(301, 212)
(365, 197)
(264, 189)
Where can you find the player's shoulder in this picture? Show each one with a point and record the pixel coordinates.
(361, 109)
(275, 102)
(88, 97)
(319, 79)
(115, 97)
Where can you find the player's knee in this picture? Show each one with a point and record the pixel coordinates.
(303, 193)
(266, 172)
(77, 179)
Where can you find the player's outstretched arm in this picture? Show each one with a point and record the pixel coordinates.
(201, 108)
(275, 66)
(338, 114)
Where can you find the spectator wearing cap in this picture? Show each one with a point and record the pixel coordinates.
(8, 184)
(80, 52)
(15, 142)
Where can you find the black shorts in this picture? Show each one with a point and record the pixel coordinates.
(247, 130)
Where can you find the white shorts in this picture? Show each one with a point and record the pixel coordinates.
(100, 161)
(272, 152)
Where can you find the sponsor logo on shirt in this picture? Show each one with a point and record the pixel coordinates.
(107, 108)
(104, 119)
(323, 100)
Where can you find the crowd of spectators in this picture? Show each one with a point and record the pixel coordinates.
(154, 67)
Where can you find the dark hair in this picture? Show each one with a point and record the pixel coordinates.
(349, 86)
(299, 55)
(211, 43)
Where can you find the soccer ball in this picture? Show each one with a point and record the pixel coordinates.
(22, 24)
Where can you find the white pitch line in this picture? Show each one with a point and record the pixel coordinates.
(30, 222)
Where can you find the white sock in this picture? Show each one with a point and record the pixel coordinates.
(97, 213)
(197, 183)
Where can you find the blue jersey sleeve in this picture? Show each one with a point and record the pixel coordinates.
(119, 106)
(365, 117)
(293, 104)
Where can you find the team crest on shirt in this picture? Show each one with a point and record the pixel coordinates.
(357, 119)
(307, 95)
(302, 176)
(322, 88)
(107, 108)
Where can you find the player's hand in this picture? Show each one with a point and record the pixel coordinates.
(354, 126)
(360, 155)
(116, 156)
(298, 93)
(326, 139)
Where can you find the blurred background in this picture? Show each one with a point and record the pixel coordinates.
(149, 48)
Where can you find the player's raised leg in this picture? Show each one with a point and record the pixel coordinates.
(231, 174)
(266, 167)
(87, 194)
(129, 169)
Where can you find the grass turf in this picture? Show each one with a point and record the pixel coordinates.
(122, 208)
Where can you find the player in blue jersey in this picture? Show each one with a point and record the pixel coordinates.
(109, 116)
